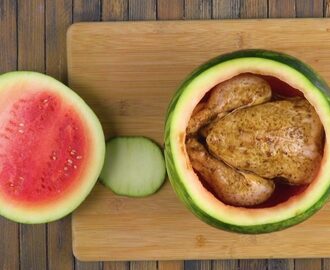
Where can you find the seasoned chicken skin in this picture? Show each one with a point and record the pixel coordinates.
(242, 90)
(233, 187)
(276, 139)
(250, 140)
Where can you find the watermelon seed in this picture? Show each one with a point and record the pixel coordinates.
(21, 124)
(79, 157)
(73, 152)
(45, 100)
(75, 166)
(65, 168)
(21, 131)
(70, 161)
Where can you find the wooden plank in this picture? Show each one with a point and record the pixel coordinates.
(225, 9)
(58, 19)
(198, 9)
(170, 9)
(142, 10)
(170, 265)
(282, 8)
(114, 10)
(253, 9)
(225, 265)
(308, 264)
(31, 56)
(281, 264)
(327, 8)
(9, 244)
(154, 52)
(116, 266)
(253, 265)
(197, 265)
(86, 10)
(79, 265)
(143, 265)
(309, 8)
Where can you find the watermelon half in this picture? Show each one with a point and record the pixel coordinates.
(291, 77)
(51, 148)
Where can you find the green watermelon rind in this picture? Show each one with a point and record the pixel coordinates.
(172, 170)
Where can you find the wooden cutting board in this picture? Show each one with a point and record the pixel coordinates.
(127, 72)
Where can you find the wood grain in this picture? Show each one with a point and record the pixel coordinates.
(114, 10)
(9, 244)
(170, 9)
(143, 265)
(225, 265)
(116, 265)
(197, 265)
(181, 46)
(253, 265)
(253, 9)
(142, 10)
(58, 19)
(225, 9)
(88, 265)
(87, 10)
(281, 264)
(309, 8)
(282, 8)
(198, 9)
(31, 56)
(308, 264)
(170, 265)
(327, 8)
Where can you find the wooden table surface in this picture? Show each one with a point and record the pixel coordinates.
(33, 37)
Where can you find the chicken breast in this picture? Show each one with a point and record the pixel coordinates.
(242, 90)
(232, 187)
(276, 139)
